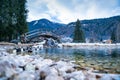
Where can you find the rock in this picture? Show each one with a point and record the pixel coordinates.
(97, 67)
(6, 69)
(81, 61)
(106, 67)
(18, 50)
(36, 68)
(113, 64)
(44, 71)
(22, 67)
(67, 69)
(43, 75)
(82, 64)
(54, 77)
(99, 61)
(30, 67)
(78, 75)
(90, 77)
(108, 77)
(47, 71)
(25, 76)
(98, 76)
(9, 72)
(70, 70)
(77, 67)
(118, 70)
(41, 63)
(106, 61)
(3, 54)
(96, 71)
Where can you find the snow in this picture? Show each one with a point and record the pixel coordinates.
(47, 69)
(90, 45)
(66, 39)
(35, 22)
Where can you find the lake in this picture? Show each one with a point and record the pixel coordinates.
(104, 60)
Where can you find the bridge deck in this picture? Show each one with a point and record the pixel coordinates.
(37, 33)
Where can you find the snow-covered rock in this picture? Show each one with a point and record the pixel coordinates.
(54, 77)
(25, 76)
(34, 67)
(38, 46)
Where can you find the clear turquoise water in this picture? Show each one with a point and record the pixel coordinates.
(71, 53)
(106, 60)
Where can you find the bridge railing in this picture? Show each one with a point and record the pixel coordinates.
(32, 31)
(33, 34)
(38, 32)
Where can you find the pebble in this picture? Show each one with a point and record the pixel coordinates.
(33, 67)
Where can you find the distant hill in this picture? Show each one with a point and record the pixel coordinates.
(44, 24)
(95, 28)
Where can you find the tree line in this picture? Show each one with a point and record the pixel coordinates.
(13, 14)
(80, 37)
(115, 35)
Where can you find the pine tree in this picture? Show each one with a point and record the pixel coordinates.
(21, 17)
(118, 33)
(113, 36)
(4, 13)
(78, 33)
(12, 19)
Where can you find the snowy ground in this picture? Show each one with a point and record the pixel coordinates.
(90, 45)
(34, 67)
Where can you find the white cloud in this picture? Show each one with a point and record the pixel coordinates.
(69, 10)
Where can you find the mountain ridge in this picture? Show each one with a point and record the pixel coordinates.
(43, 24)
(98, 28)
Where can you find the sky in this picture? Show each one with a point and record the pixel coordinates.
(65, 11)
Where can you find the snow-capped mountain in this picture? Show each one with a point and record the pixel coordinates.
(97, 28)
(43, 24)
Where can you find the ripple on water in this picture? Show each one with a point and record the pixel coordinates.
(107, 60)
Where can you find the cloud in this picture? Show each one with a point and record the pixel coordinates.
(70, 10)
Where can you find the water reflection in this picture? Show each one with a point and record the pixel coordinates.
(107, 60)
(114, 53)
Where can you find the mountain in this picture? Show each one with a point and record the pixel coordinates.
(43, 24)
(98, 29)
(95, 28)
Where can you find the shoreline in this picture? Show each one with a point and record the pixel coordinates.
(90, 45)
(35, 67)
(65, 44)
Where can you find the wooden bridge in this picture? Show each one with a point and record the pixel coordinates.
(38, 35)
